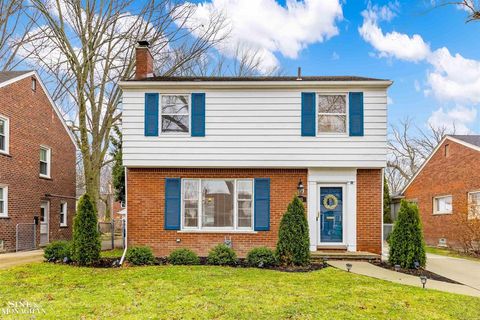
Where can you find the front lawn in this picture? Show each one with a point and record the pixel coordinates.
(450, 253)
(205, 292)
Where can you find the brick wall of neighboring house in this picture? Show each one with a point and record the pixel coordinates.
(33, 122)
(369, 210)
(146, 209)
(455, 174)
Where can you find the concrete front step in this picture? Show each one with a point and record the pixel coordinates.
(319, 256)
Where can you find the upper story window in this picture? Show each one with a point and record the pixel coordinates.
(332, 113)
(474, 205)
(442, 205)
(4, 135)
(3, 201)
(34, 84)
(175, 114)
(45, 162)
(218, 204)
(63, 214)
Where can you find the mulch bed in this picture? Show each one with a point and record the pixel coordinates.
(415, 272)
(159, 261)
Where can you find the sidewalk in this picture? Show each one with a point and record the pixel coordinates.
(8, 260)
(367, 269)
(458, 269)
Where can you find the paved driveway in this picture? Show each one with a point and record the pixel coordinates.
(461, 270)
(8, 260)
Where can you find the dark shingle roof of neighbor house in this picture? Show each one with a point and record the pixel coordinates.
(8, 75)
(260, 78)
(471, 138)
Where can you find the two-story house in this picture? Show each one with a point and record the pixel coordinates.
(211, 159)
(37, 165)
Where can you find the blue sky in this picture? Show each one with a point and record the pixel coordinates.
(422, 73)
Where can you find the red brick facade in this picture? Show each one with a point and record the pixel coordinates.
(33, 122)
(369, 210)
(146, 201)
(454, 172)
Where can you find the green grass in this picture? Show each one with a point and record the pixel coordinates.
(204, 292)
(450, 253)
(115, 253)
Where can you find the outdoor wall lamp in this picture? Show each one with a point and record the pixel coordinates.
(301, 191)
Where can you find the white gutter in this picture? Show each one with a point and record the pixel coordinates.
(126, 220)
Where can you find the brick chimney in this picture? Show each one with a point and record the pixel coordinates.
(144, 60)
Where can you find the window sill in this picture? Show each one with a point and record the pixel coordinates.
(441, 213)
(5, 154)
(4, 217)
(219, 231)
(45, 177)
(63, 226)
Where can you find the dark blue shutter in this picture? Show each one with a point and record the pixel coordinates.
(356, 113)
(172, 203)
(262, 204)
(151, 114)
(308, 114)
(198, 114)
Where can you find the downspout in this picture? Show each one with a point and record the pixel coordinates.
(126, 219)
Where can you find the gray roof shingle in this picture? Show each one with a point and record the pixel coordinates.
(471, 138)
(260, 78)
(8, 75)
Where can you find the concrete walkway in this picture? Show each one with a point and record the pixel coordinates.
(8, 260)
(458, 269)
(367, 269)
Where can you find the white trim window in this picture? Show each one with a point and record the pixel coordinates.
(332, 113)
(4, 135)
(217, 204)
(63, 214)
(474, 205)
(442, 205)
(45, 161)
(3, 201)
(175, 114)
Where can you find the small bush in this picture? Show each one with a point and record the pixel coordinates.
(293, 240)
(406, 240)
(140, 256)
(58, 250)
(183, 256)
(261, 257)
(86, 244)
(222, 255)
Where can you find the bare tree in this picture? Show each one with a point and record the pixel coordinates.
(409, 147)
(472, 7)
(87, 47)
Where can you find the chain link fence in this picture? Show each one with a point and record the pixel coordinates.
(25, 236)
(112, 234)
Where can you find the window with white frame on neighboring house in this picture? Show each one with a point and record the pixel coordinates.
(332, 113)
(63, 214)
(4, 135)
(3, 201)
(34, 84)
(175, 113)
(474, 205)
(442, 205)
(224, 204)
(45, 162)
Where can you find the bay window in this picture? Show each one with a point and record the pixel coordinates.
(223, 204)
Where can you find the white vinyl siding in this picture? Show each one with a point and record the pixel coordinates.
(3, 201)
(4, 135)
(255, 128)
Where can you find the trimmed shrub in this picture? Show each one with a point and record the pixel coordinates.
(86, 245)
(293, 240)
(183, 256)
(58, 250)
(406, 240)
(261, 257)
(140, 256)
(222, 255)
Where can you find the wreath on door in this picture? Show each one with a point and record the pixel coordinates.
(330, 202)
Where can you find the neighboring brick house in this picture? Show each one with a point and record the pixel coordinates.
(215, 159)
(447, 185)
(37, 164)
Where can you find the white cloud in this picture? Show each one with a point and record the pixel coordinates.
(417, 85)
(335, 55)
(267, 28)
(458, 118)
(392, 44)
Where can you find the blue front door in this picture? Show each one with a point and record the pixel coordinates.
(331, 214)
